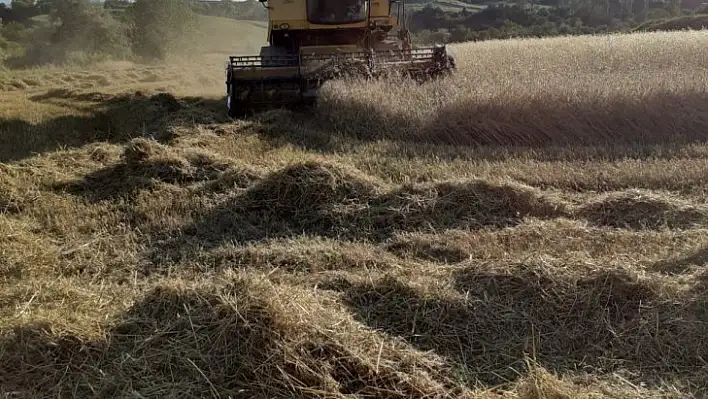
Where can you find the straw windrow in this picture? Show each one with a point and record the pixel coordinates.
(150, 247)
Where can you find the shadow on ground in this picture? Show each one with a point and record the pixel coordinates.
(659, 125)
(641, 210)
(102, 117)
(317, 199)
(491, 322)
(658, 118)
(155, 342)
(236, 204)
(683, 263)
(124, 180)
(230, 341)
(326, 200)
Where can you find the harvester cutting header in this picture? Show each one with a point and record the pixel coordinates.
(312, 41)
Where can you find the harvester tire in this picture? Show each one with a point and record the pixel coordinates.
(232, 111)
(234, 107)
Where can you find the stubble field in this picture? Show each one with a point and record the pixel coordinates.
(534, 227)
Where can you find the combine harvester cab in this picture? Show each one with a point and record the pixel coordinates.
(313, 41)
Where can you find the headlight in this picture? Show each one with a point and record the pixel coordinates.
(284, 26)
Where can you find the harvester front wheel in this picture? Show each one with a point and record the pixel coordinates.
(234, 104)
(236, 107)
(234, 110)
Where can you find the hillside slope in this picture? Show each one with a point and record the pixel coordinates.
(497, 235)
(232, 37)
(201, 73)
(692, 22)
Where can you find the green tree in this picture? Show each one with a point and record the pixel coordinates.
(79, 32)
(82, 26)
(23, 10)
(160, 27)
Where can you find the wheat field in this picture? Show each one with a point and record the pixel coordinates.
(532, 227)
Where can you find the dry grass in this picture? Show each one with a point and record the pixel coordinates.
(627, 89)
(151, 247)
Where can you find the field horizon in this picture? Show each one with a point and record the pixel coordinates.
(497, 234)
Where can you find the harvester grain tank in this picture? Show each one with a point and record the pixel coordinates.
(313, 41)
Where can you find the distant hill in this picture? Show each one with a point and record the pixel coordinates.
(445, 5)
(235, 37)
(695, 22)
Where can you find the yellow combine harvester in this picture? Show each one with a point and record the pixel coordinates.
(312, 41)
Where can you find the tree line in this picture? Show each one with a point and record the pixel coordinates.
(522, 18)
(36, 32)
